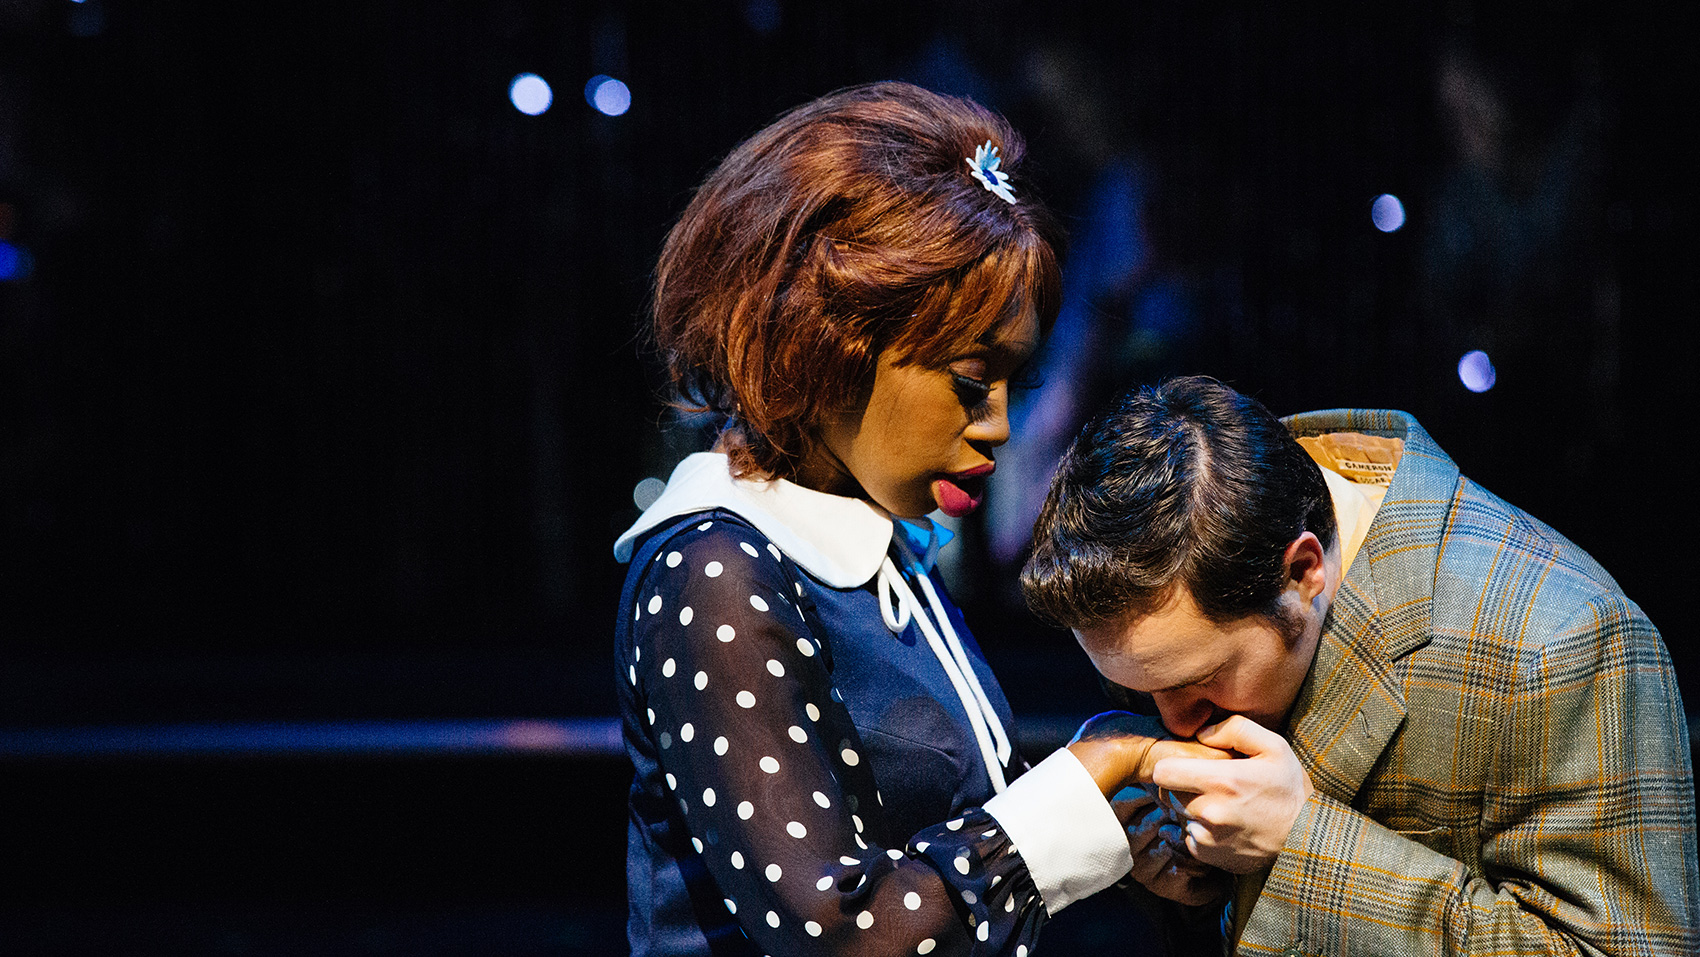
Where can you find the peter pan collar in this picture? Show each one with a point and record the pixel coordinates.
(837, 539)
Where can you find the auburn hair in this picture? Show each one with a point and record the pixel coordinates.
(849, 226)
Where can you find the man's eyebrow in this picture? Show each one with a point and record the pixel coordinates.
(1190, 681)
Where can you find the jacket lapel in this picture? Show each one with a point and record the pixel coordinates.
(1351, 703)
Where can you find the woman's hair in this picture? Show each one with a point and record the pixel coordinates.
(850, 225)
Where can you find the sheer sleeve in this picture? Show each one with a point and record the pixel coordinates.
(764, 762)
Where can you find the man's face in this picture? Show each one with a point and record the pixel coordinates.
(1199, 672)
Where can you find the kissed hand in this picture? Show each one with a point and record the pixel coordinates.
(1160, 862)
(1238, 812)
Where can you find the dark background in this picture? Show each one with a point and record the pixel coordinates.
(322, 395)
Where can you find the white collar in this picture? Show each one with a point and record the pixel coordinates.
(837, 539)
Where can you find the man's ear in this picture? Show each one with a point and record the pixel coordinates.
(1306, 566)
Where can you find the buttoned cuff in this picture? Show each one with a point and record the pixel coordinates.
(1060, 822)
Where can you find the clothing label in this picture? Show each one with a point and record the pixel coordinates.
(1365, 459)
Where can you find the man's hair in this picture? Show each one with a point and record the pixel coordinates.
(1187, 483)
(848, 226)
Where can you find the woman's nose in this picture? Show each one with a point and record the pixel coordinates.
(993, 427)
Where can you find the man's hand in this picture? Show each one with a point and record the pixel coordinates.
(1159, 861)
(1239, 811)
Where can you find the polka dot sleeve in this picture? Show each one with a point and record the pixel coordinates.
(765, 765)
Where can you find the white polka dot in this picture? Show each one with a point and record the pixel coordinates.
(696, 843)
(774, 668)
(813, 928)
(894, 854)
(803, 647)
(720, 745)
(799, 588)
(1009, 905)
(631, 672)
(772, 919)
(668, 667)
(704, 526)
(737, 860)
(961, 865)
(955, 825)
(749, 549)
(848, 861)
(921, 846)
(685, 615)
(654, 604)
(798, 734)
(637, 653)
(770, 765)
(865, 920)
(969, 897)
(687, 732)
(672, 782)
(912, 900)
(731, 906)
(666, 740)
(926, 946)
(746, 810)
(796, 830)
(725, 633)
(822, 800)
(708, 801)
(812, 711)
(850, 757)
(983, 931)
(859, 842)
(774, 873)
(1021, 951)
(746, 700)
(713, 569)
(880, 798)
(673, 559)
(702, 680)
(651, 713)
(995, 879)
(773, 551)
(856, 819)
(637, 612)
(991, 833)
(757, 603)
(823, 883)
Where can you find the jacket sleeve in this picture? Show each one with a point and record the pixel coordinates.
(1586, 833)
(766, 769)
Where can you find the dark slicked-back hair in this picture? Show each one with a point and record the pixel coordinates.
(848, 226)
(1185, 483)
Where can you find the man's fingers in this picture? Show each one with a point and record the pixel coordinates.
(1240, 733)
(1195, 775)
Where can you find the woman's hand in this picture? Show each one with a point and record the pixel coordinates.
(1120, 749)
(1160, 859)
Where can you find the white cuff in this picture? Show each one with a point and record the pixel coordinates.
(1060, 822)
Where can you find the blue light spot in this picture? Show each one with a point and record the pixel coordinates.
(1387, 213)
(14, 262)
(1476, 371)
(530, 94)
(608, 95)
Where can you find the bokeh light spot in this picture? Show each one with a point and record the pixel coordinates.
(530, 94)
(1387, 213)
(608, 95)
(647, 491)
(1476, 371)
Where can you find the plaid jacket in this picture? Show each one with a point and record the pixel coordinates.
(1499, 751)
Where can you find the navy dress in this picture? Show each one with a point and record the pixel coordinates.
(806, 780)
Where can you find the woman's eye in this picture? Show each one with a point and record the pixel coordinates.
(969, 390)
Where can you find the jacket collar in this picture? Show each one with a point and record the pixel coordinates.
(837, 539)
(1351, 702)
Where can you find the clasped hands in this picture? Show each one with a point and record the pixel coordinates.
(1195, 811)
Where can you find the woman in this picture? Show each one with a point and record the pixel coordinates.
(823, 758)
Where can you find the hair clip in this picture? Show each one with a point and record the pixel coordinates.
(983, 166)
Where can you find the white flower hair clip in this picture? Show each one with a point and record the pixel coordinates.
(983, 166)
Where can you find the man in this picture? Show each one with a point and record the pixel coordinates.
(1452, 732)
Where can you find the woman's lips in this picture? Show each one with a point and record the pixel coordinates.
(961, 492)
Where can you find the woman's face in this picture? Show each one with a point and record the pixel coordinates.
(924, 438)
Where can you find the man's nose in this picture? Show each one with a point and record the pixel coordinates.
(1183, 714)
